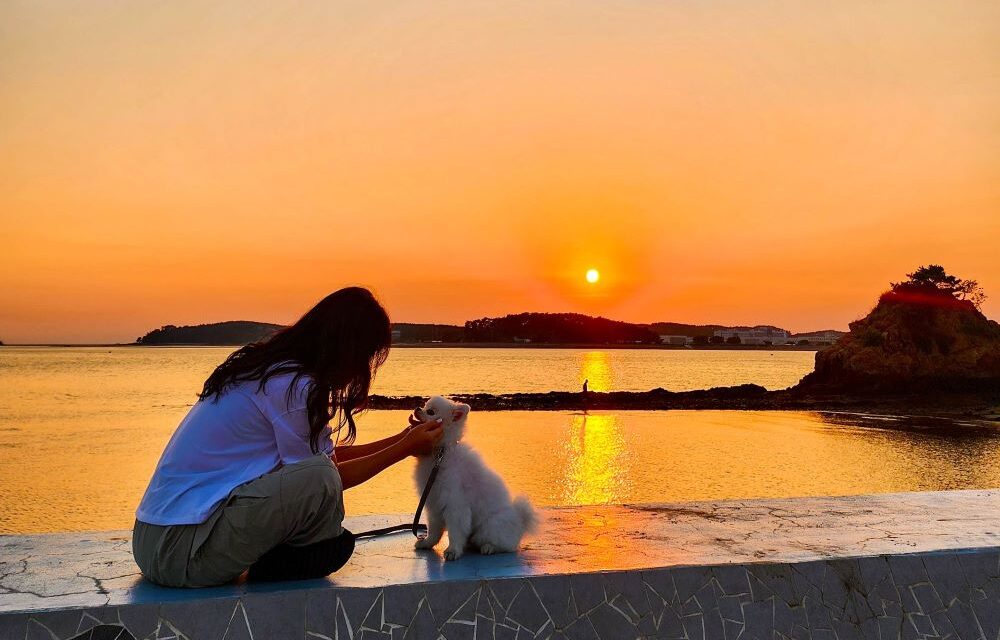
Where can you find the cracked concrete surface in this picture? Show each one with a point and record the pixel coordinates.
(73, 570)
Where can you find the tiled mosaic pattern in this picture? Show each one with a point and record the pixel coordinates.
(930, 595)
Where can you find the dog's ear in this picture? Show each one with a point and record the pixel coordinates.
(460, 411)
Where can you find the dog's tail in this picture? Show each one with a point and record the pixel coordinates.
(529, 519)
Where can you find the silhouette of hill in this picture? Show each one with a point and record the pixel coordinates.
(240, 332)
(556, 328)
(233, 332)
(409, 332)
(681, 329)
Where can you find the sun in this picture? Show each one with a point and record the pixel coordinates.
(593, 275)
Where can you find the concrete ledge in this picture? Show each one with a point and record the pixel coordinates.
(915, 565)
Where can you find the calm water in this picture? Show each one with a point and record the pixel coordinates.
(81, 430)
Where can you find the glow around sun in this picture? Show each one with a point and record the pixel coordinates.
(593, 275)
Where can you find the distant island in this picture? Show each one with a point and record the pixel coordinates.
(536, 329)
(234, 332)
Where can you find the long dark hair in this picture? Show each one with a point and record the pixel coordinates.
(339, 344)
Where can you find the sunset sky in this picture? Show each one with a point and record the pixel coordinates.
(727, 162)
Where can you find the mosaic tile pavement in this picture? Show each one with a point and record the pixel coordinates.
(931, 595)
(913, 579)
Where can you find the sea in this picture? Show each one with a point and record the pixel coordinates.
(81, 430)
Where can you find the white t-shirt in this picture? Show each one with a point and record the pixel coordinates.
(225, 442)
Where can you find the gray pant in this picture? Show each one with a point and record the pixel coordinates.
(297, 505)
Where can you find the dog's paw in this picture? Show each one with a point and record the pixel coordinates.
(451, 553)
(488, 549)
(424, 543)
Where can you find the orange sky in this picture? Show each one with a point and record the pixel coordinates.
(721, 162)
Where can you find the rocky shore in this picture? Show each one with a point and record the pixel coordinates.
(748, 397)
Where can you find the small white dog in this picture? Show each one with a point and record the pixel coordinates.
(468, 498)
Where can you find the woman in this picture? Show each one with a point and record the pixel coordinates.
(251, 480)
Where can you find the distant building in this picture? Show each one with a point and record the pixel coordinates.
(396, 335)
(676, 340)
(755, 335)
(828, 336)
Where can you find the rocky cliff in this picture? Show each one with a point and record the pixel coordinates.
(914, 340)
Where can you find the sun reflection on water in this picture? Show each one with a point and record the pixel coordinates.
(596, 461)
(595, 368)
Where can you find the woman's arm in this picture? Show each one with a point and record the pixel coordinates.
(352, 452)
(420, 440)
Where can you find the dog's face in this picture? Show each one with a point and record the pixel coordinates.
(451, 414)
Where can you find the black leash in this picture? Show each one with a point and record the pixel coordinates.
(419, 530)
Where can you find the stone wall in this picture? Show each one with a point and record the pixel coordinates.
(952, 594)
(829, 568)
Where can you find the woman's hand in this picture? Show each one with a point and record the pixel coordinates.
(413, 419)
(422, 437)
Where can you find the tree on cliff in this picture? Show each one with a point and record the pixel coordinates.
(933, 279)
